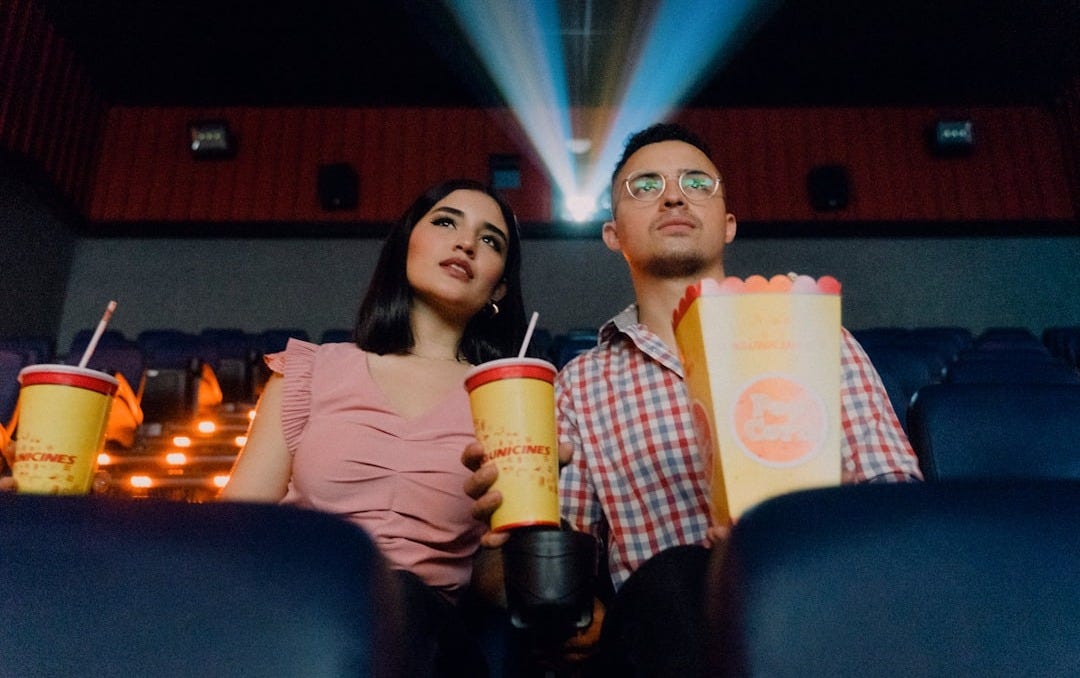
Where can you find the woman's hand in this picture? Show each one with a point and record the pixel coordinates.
(478, 486)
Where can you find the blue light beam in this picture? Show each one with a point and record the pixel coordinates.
(520, 46)
(671, 51)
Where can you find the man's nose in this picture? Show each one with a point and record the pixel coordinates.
(672, 195)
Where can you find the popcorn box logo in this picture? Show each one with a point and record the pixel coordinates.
(779, 422)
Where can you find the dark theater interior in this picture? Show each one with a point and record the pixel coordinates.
(227, 172)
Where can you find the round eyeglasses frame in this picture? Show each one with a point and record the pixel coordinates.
(663, 185)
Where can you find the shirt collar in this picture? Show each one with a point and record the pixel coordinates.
(626, 324)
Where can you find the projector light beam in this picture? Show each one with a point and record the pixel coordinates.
(654, 56)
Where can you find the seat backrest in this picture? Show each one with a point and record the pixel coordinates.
(126, 359)
(996, 431)
(11, 362)
(960, 579)
(102, 587)
(82, 338)
(912, 367)
(1019, 371)
(231, 355)
(337, 335)
(275, 339)
(37, 348)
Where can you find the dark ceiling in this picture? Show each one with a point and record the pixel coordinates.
(383, 53)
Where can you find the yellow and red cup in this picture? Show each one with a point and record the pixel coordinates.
(513, 408)
(63, 411)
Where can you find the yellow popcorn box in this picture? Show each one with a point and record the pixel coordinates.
(762, 365)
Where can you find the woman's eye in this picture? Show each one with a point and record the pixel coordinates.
(492, 242)
(443, 221)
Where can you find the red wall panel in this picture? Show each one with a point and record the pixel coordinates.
(49, 110)
(124, 165)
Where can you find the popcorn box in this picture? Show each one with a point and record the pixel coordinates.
(762, 365)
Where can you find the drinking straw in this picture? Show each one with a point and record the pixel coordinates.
(528, 335)
(97, 334)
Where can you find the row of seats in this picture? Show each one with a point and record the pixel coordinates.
(165, 375)
(170, 374)
(909, 359)
(957, 579)
(1000, 404)
(965, 579)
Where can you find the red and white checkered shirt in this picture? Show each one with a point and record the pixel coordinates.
(636, 479)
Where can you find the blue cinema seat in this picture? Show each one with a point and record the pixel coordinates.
(82, 338)
(336, 335)
(37, 348)
(564, 347)
(914, 580)
(173, 374)
(126, 359)
(1014, 371)
(230, 354)
(106, 587)
(964, 431)
(11, 362)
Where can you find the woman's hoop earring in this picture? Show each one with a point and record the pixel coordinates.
(494, 308)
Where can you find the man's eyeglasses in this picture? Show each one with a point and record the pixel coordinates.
(696, 185)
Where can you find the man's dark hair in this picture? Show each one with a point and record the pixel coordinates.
(661, 131)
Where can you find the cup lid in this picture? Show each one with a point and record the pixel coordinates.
(69, 375)
(509, 368)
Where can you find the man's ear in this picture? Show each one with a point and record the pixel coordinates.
(730, 227)
(610, 236)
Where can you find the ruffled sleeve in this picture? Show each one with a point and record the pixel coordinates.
(295, 363)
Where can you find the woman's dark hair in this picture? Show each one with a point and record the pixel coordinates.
(382, 324)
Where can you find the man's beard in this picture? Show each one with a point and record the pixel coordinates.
(676, 265)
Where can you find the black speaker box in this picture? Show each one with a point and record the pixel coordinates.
(338, 186)
(828, 187)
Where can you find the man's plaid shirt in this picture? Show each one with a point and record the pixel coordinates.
(636, 479)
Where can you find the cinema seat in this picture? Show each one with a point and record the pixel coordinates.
(336, 335)
(1015, 371)
(99, 587)
(916, 580)
(231, 356)
(11, 362)
(965, 431)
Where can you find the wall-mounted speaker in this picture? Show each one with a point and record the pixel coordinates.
(337, 186)
(828, 187)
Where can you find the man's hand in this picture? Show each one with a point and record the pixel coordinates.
(582, 644)
(717, 534)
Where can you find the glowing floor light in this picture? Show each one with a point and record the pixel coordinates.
(656, 53)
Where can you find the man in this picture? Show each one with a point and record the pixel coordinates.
(635, 478)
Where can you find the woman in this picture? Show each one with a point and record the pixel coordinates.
(373, 431)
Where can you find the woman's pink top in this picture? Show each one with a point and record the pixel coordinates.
(399, 479)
